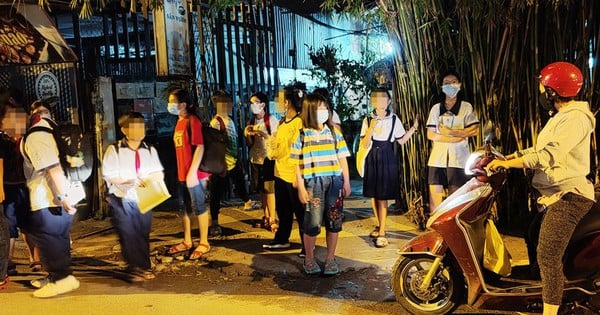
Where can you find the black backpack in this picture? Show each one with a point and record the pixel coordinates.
(70, 141)
(215, 147)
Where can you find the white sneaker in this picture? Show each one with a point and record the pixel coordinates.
(51, 289)
(38, 283)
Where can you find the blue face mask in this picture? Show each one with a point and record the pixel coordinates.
(451, 90)
(173, 109)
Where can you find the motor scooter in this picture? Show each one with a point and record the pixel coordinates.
(443, 268)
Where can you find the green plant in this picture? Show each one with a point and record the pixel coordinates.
(339, 77)
(498, 47)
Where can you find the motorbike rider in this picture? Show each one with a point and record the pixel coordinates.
(561, 161)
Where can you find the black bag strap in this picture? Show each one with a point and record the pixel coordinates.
(60, 143)
(393, 125)
(369, 118)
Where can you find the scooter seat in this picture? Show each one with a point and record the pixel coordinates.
(588, 225)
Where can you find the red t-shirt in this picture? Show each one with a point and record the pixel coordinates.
(183, 145)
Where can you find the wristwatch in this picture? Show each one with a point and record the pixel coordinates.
(61, 197)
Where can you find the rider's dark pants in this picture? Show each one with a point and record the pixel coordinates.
(558, 225)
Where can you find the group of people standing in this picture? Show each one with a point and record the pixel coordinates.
(299, 167)
(298, 163)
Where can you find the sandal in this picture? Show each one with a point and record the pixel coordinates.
(181, 247)
(4, 284)
(136, 274)
(311, 267)
(264, 223)
(374, 233)
(214, 231)
(36, 266)
(381, 241)
(273, 225)
(197, 253)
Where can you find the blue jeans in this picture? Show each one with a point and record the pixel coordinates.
(321, 208)
(133, 228)
(192, 199)
(50, 229)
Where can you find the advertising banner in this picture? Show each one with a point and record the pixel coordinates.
(28, 37)
(171, 38)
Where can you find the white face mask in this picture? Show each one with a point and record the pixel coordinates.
(322, 115)
(256, 108)
(173, 108)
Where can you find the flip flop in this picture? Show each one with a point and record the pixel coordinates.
(375, 232)
(197, 253)
(36, 266)
(381, 241)
(181, 247)
(4, 283)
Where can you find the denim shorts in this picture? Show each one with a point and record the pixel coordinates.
(323, 207)
(192, 199)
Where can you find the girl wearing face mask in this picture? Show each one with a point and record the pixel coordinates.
(381, 172)
(192, 183)
(261, 126)
(278, 146)
(450, 123)
(320, 154)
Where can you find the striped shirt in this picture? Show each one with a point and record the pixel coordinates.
(316, 152)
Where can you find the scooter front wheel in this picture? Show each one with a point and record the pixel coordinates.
(440, 297)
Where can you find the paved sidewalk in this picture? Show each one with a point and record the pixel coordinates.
(242, 242)
(96, 242)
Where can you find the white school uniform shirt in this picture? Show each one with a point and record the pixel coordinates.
(258, 151)
(40, 152)
(383, 127)
(444, 154)
(122, 164)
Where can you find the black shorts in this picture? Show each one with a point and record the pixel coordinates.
(263, 173)
(451, 176)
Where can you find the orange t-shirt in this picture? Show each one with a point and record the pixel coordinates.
(184, 145)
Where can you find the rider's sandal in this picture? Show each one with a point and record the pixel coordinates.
(179, 248)
(381, 241)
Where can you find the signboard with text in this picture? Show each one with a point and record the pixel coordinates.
(171, 38)
(28, 37)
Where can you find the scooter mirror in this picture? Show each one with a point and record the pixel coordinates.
(489, 132)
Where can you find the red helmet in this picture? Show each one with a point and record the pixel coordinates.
(563, 77)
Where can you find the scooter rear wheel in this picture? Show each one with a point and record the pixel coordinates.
(442, 295)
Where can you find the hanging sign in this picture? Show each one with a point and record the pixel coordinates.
(171, 38)
(28, 37)
(46, 86)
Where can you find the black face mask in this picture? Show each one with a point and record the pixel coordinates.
(547, 100)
